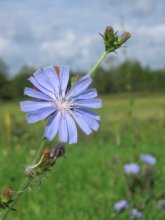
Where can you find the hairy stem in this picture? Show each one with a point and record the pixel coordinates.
(26, 183)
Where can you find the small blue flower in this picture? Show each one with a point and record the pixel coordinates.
(131, 168)
(148, 159)
(64, 107)
(135, 214)
(121, 205)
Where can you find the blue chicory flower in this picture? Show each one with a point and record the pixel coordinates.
(148, 159)
(64, 106)
(135, 214)
(121, 205)
(131, 168)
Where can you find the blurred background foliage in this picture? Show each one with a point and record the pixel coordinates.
(127, 76)
(90, 180)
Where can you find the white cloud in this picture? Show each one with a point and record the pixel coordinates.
(63, 47)
(70, 49)
(3, 44)
(145, 6)
(65, 32)
(7, 47)
(155, 32)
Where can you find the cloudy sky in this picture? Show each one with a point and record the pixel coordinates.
(65, 32)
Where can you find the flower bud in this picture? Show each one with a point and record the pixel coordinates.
(46, 153)
(112, 41)
(47, 160)
(58, 151)
(7, 196)
(110, 38)
(124, 37)
(74, 79)
(57, 70)
(109, 33)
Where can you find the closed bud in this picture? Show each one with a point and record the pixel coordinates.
(57, 70)
(47, 160)
(7, 196)
(109, 32)
(74, 79)
(58, 151)
(46, 153)
(124, 37)
(112, 41)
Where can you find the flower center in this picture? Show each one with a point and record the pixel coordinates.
(62, 105)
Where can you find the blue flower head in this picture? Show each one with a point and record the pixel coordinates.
(121, 205)
(135, 214)
(131, 168)
(65, 107)
(148, 159)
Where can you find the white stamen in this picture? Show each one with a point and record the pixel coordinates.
(62, 105)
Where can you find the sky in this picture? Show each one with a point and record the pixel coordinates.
(65, 32)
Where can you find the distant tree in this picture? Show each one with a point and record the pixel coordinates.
(3, 78)
(20, 81)
(100, 80)
(128, 76)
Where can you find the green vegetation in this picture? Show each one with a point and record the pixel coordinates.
(86, 184)
(130, 76)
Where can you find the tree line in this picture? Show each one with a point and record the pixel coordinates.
(130, 76)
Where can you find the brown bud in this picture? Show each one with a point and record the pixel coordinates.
(74, 79)
(46, 153)
(57, 70)
(124, 37)
(109, 32)
(7, 195)
(109, 29)
(58, 151)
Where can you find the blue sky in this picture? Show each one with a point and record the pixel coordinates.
(65, 32)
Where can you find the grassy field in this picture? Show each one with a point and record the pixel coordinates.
(86, 184)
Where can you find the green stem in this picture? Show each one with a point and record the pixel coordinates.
(97, 63)
(26, 183)
(24, 187)
(40, 150)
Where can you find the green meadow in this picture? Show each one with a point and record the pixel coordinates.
(86, 183)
